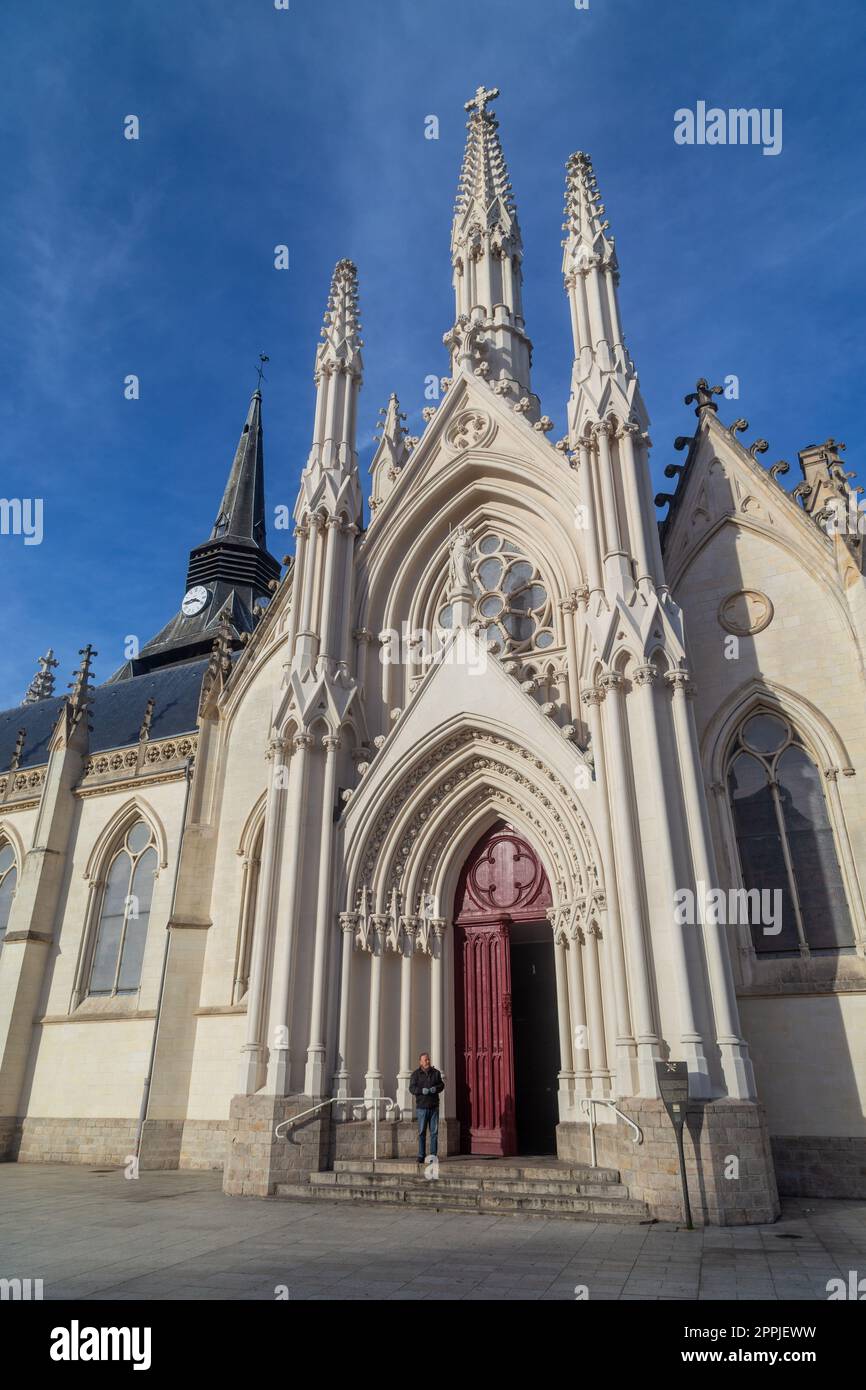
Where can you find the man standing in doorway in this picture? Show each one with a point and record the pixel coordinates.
(425, 1085)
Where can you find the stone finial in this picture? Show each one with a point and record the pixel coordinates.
(703, 395)
(19, 748)
(42, 685)
(82, 690)
(144, 731)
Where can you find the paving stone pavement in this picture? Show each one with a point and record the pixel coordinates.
(93, 1234)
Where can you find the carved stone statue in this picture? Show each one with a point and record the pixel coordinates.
(459, 572)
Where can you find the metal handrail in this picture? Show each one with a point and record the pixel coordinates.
(589, 1102)
(344, 1100)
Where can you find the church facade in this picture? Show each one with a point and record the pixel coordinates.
(511, 774)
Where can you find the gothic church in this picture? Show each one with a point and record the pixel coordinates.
(444, 779)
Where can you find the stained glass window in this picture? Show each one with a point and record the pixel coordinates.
(785, 839)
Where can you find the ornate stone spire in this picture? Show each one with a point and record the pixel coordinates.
(603, 375)
(488, 335)
(395, 443)
(42, 685)
(330, 480)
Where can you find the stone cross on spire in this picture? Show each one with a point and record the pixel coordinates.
(42, 685)
(702, 396)
(480, 99)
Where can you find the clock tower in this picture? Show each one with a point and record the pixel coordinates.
(230, 574)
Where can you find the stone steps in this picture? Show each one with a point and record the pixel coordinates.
(574, 1192)
(448, 1183)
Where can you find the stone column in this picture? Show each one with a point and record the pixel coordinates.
(406, 940)
(565, 1076)
(597, 1044)
(579, 1021)
(314, 1079)
(437, 1003)
(342, 1076)
(593, 516)
(255, 1049)
(626, 1074)
(327, 645)
(279, 1062)
(373, 1077)
(691, 1041)
(734, 1051)
(631, 488)
(629, 879)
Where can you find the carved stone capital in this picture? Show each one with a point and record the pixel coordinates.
(680, 680)
(645, 675)
(611, 680)
(593, 696)
(302, 741)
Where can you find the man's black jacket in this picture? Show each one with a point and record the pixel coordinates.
(432, 1079)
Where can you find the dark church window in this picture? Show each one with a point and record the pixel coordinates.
(8, 880)
(124, 914)
(785, 839)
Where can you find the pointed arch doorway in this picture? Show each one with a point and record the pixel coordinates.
(507, 1039)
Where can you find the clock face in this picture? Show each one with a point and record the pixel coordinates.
(194, 600)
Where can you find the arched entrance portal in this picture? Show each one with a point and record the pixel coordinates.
(507, 1051)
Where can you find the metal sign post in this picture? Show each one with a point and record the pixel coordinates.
(673, 1079)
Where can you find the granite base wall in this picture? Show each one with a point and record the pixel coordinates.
(256, 1162)
(715, 1132)
(68, 1140)
(819, 1165)
(204, 1144)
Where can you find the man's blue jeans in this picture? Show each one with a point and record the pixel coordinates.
(428, 1118)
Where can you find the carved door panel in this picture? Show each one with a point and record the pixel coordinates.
(485, 1099)
(502, 882)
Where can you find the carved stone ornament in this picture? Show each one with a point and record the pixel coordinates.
(745, 612)
(471, 430)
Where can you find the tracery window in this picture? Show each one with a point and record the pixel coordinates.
(124, 914)
(785, 839)
(8, 882)
(510, 596)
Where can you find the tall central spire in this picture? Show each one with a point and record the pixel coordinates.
(330, 479)
(488, 336)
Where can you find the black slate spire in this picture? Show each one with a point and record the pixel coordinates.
(230, 573)
(236, 550)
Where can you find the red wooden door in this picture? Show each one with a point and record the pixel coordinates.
(501, 882)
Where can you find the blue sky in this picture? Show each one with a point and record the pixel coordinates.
(306, 127)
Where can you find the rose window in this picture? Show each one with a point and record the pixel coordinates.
(511, 598)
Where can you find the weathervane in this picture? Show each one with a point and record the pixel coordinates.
(261, 369)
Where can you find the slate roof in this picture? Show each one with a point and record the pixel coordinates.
(115, 713)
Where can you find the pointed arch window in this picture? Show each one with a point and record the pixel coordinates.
(124, 914)
(511, 597)
(8, 884)
(785, 839)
